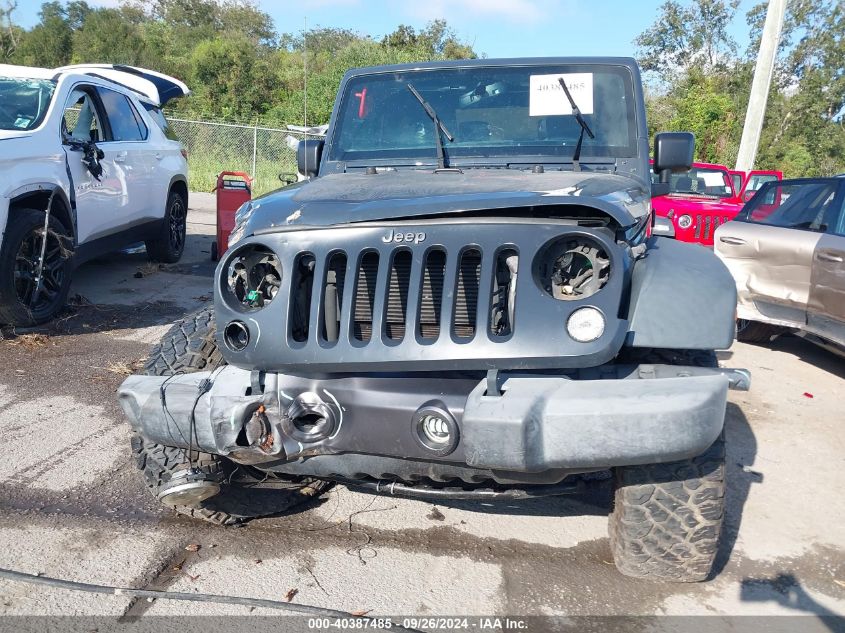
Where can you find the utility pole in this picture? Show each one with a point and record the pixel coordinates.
(760, 85)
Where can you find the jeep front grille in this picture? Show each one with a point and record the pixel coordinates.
(467, 297)
(463, 320)
(706, 225)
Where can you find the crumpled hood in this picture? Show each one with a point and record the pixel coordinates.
(362, 197)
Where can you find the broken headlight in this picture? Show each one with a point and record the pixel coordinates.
(570, 268)
(253, 277)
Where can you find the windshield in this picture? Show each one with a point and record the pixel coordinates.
(491, 111)
(24, 102)
(700, 180)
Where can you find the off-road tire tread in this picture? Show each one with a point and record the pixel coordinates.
(667, 518)
(190, 346)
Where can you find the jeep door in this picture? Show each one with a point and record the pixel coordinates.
(755, 180)
(737, 179)
(97, 198)
(770, 248)
(826, 310)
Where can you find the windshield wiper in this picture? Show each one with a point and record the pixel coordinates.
(438, 127)
(576, 166)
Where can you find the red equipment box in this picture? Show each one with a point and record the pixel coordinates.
(233, 189)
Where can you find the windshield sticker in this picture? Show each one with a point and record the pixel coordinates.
(547, 98)
(712, 178)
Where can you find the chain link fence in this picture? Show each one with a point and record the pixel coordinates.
(262, 152)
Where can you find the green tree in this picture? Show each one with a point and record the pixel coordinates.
(804, 127)
(705, 83)
(49, 43)
(228, 51)
(701, 107)
(109, 36)
(9, 33)
(690, 35)
(230, 79)
(436, 41)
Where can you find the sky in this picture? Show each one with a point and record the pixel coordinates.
(499, 28)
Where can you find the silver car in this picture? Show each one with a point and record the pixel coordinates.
(786, 251)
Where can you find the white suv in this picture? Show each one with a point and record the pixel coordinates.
(87, 166)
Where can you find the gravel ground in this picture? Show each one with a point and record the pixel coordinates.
(72, 505)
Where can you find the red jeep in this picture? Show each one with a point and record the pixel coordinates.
(705, 197)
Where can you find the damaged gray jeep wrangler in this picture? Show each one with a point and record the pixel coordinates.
(463, 300)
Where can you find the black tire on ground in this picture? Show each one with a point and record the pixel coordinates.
(755, 331)
(187, 347)
(667, 518)
(170, 243)
(18, 258)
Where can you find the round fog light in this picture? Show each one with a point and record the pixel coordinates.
(585, 324)
(435, 428)
(685, 221)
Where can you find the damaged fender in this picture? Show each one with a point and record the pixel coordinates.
(682, 297)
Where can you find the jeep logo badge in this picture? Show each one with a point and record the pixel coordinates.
(398, 238)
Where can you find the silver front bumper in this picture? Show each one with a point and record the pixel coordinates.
(530, 423)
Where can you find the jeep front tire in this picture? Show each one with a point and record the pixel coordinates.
(667, 518)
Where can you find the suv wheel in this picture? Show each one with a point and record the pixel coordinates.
(24, 301)
(667, 518)
(190, 346)
(170, 243)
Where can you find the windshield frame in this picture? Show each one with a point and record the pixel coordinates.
(635, 151)
(727, 182)
(36, 122)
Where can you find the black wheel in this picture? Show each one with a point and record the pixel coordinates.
(755, 332)
(26, 298)
(169, 245)
(667, 518)
(190, 346)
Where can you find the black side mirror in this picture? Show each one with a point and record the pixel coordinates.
(308, 154)
(673, 153)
